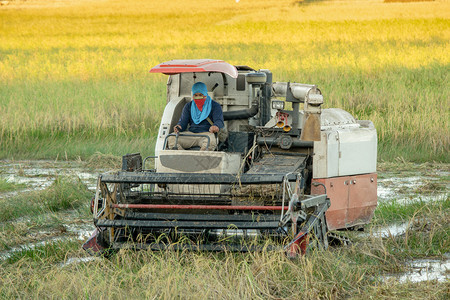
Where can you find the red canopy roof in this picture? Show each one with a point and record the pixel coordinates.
(195, 65)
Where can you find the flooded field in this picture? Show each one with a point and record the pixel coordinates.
(40, 174)
(420, 184)
(424, 183)
(424, 269)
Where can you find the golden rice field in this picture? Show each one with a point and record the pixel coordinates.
(74, 74)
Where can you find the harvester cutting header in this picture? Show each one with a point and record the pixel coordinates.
(281, 167)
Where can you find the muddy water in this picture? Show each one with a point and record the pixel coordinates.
(36, 175)
(423, 185)
(422, 270)
(78, 231)
(390, 230)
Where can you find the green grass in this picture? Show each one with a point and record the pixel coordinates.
(42, 214)
(427, 231)
(116, 118)
(45, 226)
(398, 211)
(50, 252)
(7, 186)
(78, 147)
(63, 194)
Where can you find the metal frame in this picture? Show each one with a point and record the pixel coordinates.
(117, 220)
(196, 178)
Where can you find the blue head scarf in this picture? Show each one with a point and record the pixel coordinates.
(197, 115)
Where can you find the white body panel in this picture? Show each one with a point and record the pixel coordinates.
(357, 151)
(186, 161)
(347, 147)
(182, 161)
(167, 121)
(326, 156)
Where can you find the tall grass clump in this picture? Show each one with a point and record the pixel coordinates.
(75, 81)
(427, 231)
(64, 193)
(51, 252)
(341, 273)
(198, 275)
(400, 211)
(7, 186)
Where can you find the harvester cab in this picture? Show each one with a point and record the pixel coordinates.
(280, 173)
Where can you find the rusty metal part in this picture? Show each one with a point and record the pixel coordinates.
(311, 127)
(353, 199)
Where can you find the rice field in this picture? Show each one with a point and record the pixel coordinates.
(74, 74)
(74, 85)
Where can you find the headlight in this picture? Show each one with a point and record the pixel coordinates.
(276, 104)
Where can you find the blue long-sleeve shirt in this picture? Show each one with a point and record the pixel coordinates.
(215, 115)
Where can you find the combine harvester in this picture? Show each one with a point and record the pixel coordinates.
(279, 172)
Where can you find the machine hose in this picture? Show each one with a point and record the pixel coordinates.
(241, 114)
(321, 184)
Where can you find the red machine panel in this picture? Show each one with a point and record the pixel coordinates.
(353, 199)
(195, 65)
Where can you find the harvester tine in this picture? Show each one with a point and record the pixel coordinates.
(316, 219)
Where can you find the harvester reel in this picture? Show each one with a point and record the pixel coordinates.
(126, 215)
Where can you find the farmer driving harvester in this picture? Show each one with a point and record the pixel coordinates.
(203, 116)
(265, 182)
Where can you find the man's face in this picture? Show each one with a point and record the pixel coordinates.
(198, 96)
